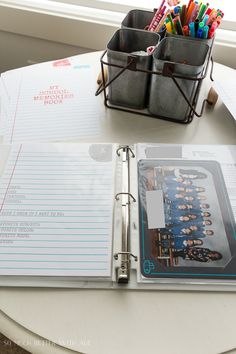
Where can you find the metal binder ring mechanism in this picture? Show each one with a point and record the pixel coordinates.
(123, 271)
(127, 148)
(116, 255)
(117, 196)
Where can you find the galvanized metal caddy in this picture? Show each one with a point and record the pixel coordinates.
(164, 85)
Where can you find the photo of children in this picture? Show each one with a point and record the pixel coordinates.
(198, 232)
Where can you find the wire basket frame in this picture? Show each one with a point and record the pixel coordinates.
(168, 71)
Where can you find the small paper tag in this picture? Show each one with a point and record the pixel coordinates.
(155, 209)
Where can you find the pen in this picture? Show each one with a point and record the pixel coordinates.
(156, 15)
(168, 27)
(205, 19)
(178, 25)
(196, 24)
(186, 30)
(211, 33)
(176, 10)
(189, 3)
(199, 33)
(158, 19)
(162, 22)
(172, 24)
(189, 12)
(183, 14)
(194, 13)
(192, 29)
(205, 32)
(208, 11)
(212, 18)
(202, 10)
(201, 25)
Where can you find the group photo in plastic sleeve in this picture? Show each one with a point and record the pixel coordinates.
(197, 239)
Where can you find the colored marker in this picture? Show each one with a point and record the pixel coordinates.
(192, 29)
(168, 27)
(162, 22)
(158, 11)
(205, 32)
(205, 19)
(178, 25)
(201, 12)
(211, 33)
(189, 12)
(199, 33)
(196, 24)
(201, 25)
(214, 25)
(189, 3)
(183, 14)
(176, 10)
(186, 31)
(208, 11)
(172, 24)
(194, 13)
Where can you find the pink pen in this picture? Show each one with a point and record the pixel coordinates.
(214, 25)
(156, 14)
(212, 18)
(158, 19)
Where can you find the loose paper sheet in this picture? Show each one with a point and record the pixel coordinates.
(56, 204)
(50, 101)
(226, 90)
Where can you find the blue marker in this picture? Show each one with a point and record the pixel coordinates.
(192, 29)
(176, 10)
(199, 33)
(205, 32)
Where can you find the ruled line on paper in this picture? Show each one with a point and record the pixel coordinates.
(42, 224)
(11, 176)
(58, 105)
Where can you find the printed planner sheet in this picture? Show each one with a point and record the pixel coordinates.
(56, 207)
(50, 102)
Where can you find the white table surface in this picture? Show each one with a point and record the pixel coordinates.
(112, 322)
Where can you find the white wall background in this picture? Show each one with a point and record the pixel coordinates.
(31, 35)
(18, 50)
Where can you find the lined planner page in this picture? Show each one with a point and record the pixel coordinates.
(55, 103)
(56, 207)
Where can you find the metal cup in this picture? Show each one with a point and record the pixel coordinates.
(129, 89)
(188, 59)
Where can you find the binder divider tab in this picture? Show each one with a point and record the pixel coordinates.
(123, 270)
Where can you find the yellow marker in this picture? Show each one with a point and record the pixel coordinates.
(168, 27)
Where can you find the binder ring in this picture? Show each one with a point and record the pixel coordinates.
(125, 147)
(116, 255)
(117, 198)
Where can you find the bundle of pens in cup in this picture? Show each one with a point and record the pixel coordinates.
(195, 19)
(181, 35)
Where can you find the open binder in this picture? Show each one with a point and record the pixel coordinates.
(149, 216)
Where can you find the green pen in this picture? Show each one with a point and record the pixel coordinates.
(201, 25)
(201, 11)
(172, 24)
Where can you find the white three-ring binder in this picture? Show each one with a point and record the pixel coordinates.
(148, 216)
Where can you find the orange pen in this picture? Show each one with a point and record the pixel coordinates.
(189, 13)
